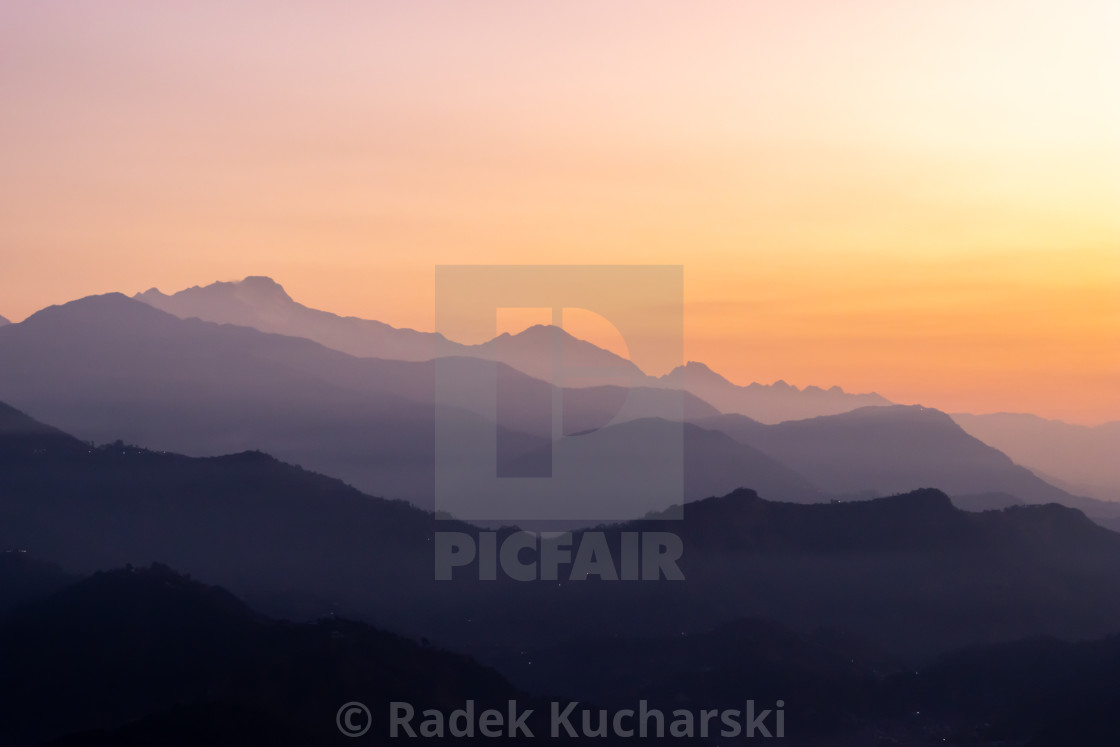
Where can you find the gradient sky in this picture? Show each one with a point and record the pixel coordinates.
(916, 198)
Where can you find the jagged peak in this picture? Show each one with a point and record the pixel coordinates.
(254, 287)
(694, 368)
(263, 287)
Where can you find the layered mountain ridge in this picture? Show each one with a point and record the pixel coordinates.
(263, 304)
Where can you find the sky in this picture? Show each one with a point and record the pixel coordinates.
(915, 198)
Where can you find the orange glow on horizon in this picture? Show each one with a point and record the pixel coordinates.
(915, 199)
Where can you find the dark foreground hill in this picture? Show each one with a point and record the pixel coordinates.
(910, 572)
(291, 540)
(837, 690)
(142, 657)
(24, 579)
(148, 656)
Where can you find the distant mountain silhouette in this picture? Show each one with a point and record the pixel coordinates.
(107, 367)
(3, 321)
(771, 403)
(714, 463)
(263, 304)
(892, 449)
(22, 437)
(531, 351)
(1079, 458)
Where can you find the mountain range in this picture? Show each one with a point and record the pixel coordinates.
(302, 545)
(107, 368)
(853, 611)
(263, 304)
(889, 570)
(773, 403)
(1079, 458)
(875, 451)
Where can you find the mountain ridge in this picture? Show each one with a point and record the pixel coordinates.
(302, 545)
(109, 367)
(262, 303)
(766, 403)
(1084, 458)
(892, 449)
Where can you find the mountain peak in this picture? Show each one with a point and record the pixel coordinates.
(263, 287)
(254, 289)
(539, 330)
(696, 368)
(4, 322)
(529, 351)
(694, 373)
(543, 333)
